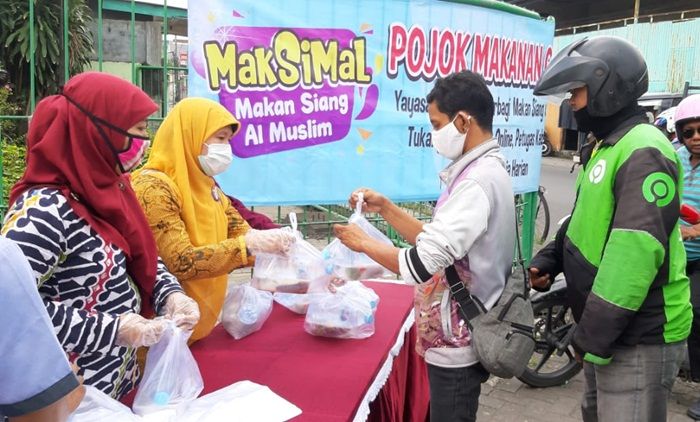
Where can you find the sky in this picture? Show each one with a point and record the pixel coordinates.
(174, 3)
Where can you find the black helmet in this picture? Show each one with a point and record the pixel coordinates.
(612, 68)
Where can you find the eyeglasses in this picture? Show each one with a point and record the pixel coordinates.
(688, 133)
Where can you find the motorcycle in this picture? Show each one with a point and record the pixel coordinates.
(554, 361)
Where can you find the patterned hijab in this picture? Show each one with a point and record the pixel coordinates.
(73, 144)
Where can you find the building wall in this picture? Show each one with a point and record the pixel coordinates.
(121, 69)
(116, 44)
(672, 51)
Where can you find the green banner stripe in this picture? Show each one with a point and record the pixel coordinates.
(502, 6)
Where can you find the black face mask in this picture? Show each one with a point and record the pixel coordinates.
(584, 121)
(602, 126)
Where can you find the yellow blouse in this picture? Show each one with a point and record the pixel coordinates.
(193, 265)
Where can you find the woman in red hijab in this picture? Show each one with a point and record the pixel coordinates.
(76, 218)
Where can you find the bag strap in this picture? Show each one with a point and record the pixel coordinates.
(470, 307)
(521, 261)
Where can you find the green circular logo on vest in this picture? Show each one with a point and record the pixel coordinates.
(597, 172)
(659, 188)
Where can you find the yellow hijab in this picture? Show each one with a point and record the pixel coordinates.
(174, 153)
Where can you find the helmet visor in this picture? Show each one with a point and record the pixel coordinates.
(571, 73)
(570, 70)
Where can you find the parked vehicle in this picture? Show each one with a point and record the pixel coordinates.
(553, 362)
(542, 217)
(546, 148)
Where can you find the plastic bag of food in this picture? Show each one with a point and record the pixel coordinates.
(359, 290)
(245, 310)
(340, 315)
(291, 273)
(171, 377)
(350, 265)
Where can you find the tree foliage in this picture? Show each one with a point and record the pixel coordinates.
(15, 41)
(13, 164)
(9, 130)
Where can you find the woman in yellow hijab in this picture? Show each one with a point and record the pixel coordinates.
(200, 236)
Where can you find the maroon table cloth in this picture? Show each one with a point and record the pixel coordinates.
(326, 378)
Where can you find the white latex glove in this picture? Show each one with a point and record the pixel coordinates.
(269, 241)
(182, 309)
(137, 331)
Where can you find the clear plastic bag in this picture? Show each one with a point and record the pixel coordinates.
(97, 406)
(350, 265)
(171, 377)
(344, 314)
(291, 273)
(360, 291)
(297, 303)
(245, 310)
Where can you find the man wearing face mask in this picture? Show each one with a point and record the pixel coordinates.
(621, 252)
(473, 229)
(200, 236)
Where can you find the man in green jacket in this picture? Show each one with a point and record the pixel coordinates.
(622, 253)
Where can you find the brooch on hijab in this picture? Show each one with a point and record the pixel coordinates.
(215, 193)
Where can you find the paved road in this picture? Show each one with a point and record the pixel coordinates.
(559, 187)
(512, 401)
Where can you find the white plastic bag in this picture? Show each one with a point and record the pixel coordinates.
(242, 401)
(245, 310)
(97, 406)
(350, 265)
(171, 377)
(340, 315)
(291, 273)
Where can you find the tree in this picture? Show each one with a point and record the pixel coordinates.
(15, 41)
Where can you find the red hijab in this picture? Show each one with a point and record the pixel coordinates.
(66, 150)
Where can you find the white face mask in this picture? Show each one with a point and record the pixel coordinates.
(447, 140)
(217, 159)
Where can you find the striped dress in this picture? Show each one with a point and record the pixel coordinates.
(84, 284)
(691, 196)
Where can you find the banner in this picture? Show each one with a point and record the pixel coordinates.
(331, 93)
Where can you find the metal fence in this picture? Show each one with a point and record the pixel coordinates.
(166, 83)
